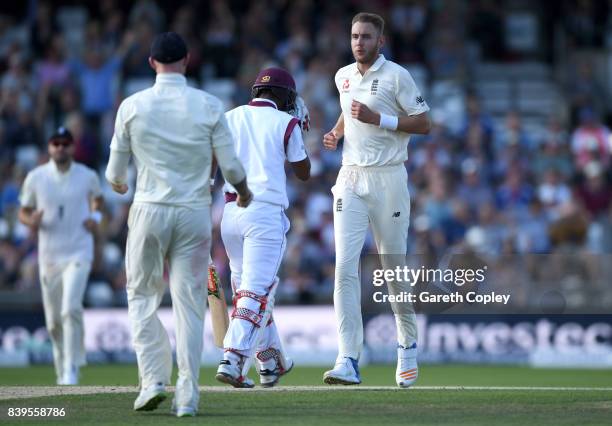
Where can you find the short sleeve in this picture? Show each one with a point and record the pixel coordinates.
(408, 95)
(337, 80)
(27, 197)
(121, 137)
(295, 147)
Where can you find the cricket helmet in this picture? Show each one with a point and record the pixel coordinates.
(280, 83)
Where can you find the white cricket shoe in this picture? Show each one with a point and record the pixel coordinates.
(150, 397)
(230, 373)
(70, 376)
(272, 366)
(185, 412)
(345, 372)
(182, 411)
(407, 370)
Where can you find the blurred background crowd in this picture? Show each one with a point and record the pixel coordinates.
(517, 162)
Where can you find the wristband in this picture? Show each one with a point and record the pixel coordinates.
(388, 122)
(212, 181)
(96, 216)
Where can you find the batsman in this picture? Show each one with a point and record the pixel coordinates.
(381, 107)
(266, 135)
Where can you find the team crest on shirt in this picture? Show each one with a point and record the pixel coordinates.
(420, 100)
(374, 87)
(346, 85)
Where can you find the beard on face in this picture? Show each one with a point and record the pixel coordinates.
(61, 158)
(368, 57)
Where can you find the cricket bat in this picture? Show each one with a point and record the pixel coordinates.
(217, 306)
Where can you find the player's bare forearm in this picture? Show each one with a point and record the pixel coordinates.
(245, 196)
(97, 204)
(331, 138)
(30, 217)
(301, 169)
(96, 215)
(419, 124)
(339, 127)
(25, 214)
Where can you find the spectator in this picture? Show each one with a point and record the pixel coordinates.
(136, 63)
(516, 186)
(472, 189)
(590, 141)
(477, 129)
(513, 134)
(595, 194)
(553, 193)
(553, 153)
(514, 194)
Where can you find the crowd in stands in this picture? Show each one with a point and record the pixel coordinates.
(479, 179)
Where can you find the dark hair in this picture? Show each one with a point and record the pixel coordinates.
(284, 98)
(372, 18)
(168, 48)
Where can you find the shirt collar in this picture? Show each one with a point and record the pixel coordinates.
(375, 66)
(263, 102)
(173, 78)
(57, 172)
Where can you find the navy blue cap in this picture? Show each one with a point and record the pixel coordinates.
(168, 48)
(61, 133)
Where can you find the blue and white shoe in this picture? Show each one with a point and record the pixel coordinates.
(272, 366)
(345, 372)
(407, 370)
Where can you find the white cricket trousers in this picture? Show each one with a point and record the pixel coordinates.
(181, 237)
(63, 286)
(376, 196)
(255, 240)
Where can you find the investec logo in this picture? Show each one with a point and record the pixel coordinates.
(498, 337)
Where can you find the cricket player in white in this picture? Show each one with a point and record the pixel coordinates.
(266, 135)
(172, 131)
(381, 107)
(61, 201)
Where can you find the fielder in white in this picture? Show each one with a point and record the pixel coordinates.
(172, 131)
(61, 201)
(266, 136)
(381, 107)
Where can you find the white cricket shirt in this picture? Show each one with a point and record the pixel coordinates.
(65, 200)
(264, 138)
(171, 130)
(385, 88)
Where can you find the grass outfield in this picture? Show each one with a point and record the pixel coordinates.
(344, 405)
(429, 375)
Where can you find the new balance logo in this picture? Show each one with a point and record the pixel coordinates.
(374, 87)
(339, 205)
(396, 214)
